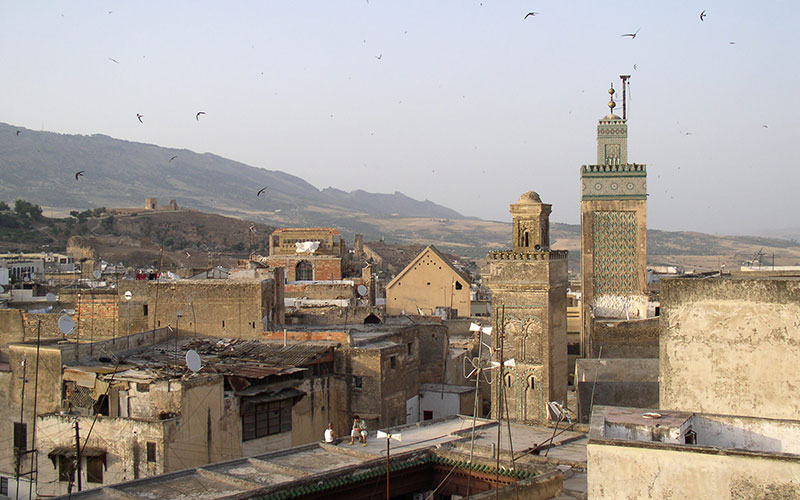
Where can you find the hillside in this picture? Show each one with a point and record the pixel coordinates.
(41, 166)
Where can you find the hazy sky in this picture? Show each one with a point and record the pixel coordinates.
(464, 103)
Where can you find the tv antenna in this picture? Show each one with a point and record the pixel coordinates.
(625, 85)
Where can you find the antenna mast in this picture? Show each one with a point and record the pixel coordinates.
(624, 79)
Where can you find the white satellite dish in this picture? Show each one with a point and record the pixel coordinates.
(193, 360)
(50, 297)
(97, 274)
(66, 324)
(362, 290)
(128, 295)
(474, 327)
(26, 278)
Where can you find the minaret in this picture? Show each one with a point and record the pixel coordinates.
(613, 229)
(529, 310)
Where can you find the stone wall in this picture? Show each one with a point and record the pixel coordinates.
(630, 383)
(635, 338)
(729, 346)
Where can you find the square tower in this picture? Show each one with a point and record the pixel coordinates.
(613, 229)
(529, 311)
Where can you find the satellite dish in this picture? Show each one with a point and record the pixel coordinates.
(26, 278)
(50, 297)
(537, 248)
(193, 360)
(97, 274)
(128, 295)
(66, 324)
(362, 290)
(2, 289)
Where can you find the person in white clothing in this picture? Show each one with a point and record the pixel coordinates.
(330, 434)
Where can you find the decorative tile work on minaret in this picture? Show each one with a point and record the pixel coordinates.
(613, 228)
(529, 307)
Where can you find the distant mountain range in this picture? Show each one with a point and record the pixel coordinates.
(40, 167)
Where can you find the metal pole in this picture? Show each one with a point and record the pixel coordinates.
(388, 438)
(475, 408)
(78, 452)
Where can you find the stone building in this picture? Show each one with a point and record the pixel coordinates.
(428, 283)
(529, 309)
(613, 229)
(307, 254)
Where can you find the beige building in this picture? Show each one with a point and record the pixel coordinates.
(428, 283)
(529, 310)
(731, 346)
(307, 253)
(613, 229)
(661, 454)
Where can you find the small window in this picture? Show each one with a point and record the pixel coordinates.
(140, 387)
(223, 323)
(427, 415)
(690, 437)
(459, 286)
(66, 469)
(410, 347)
(429, 283)
(393, 361)
(574, 349)
(509, 380)
(4, 486)
(531, 382)
(151, 451)
(144, 309)
(358, 382)
(94, 469)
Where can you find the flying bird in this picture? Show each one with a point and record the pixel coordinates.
(197, 116)
(79, 173)
(252, 228)
(732, 43)
(634, 67)
(702, 15)
(632, 35)
(173, 158)
(188, 255)
(761, 125)
(530, 14)
(379, 57)
(261, 191)
(139, 117)
(113, 60)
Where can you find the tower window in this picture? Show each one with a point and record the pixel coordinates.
(527, 239)
(459, 286)
(509, 380)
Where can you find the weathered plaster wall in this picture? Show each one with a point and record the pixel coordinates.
(731, 346)
(431, 283)
(674, 472)
(760, 434)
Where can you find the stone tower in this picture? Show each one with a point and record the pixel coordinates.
(529, 308)
(613, 229)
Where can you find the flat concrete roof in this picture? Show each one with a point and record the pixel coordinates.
(236, 477)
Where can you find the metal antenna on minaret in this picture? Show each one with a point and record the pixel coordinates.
(624, 79)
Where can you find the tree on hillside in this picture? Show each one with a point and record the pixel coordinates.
(26, 209)
(4, 206)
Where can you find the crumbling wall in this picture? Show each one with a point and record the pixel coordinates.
(631, 383)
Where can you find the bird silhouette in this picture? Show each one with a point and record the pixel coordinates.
(197, 116)
(761, 125)
(79, 173)
(139, 117)
(378, 57)
(18, 132)
(173, 158)
(261, 191)
(632, 35)
(188, 254)
(113, 60)
(702, 16)
(529, 14)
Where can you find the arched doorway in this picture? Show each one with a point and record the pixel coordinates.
(304, 271)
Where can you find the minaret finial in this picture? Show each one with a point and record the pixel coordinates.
(611, 103)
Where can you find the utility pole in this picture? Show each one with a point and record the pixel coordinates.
(78, 452)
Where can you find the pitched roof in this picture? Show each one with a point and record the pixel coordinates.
(436, 252)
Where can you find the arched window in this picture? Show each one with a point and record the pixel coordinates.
(531, 382)
(304, 271)
(509, 380)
